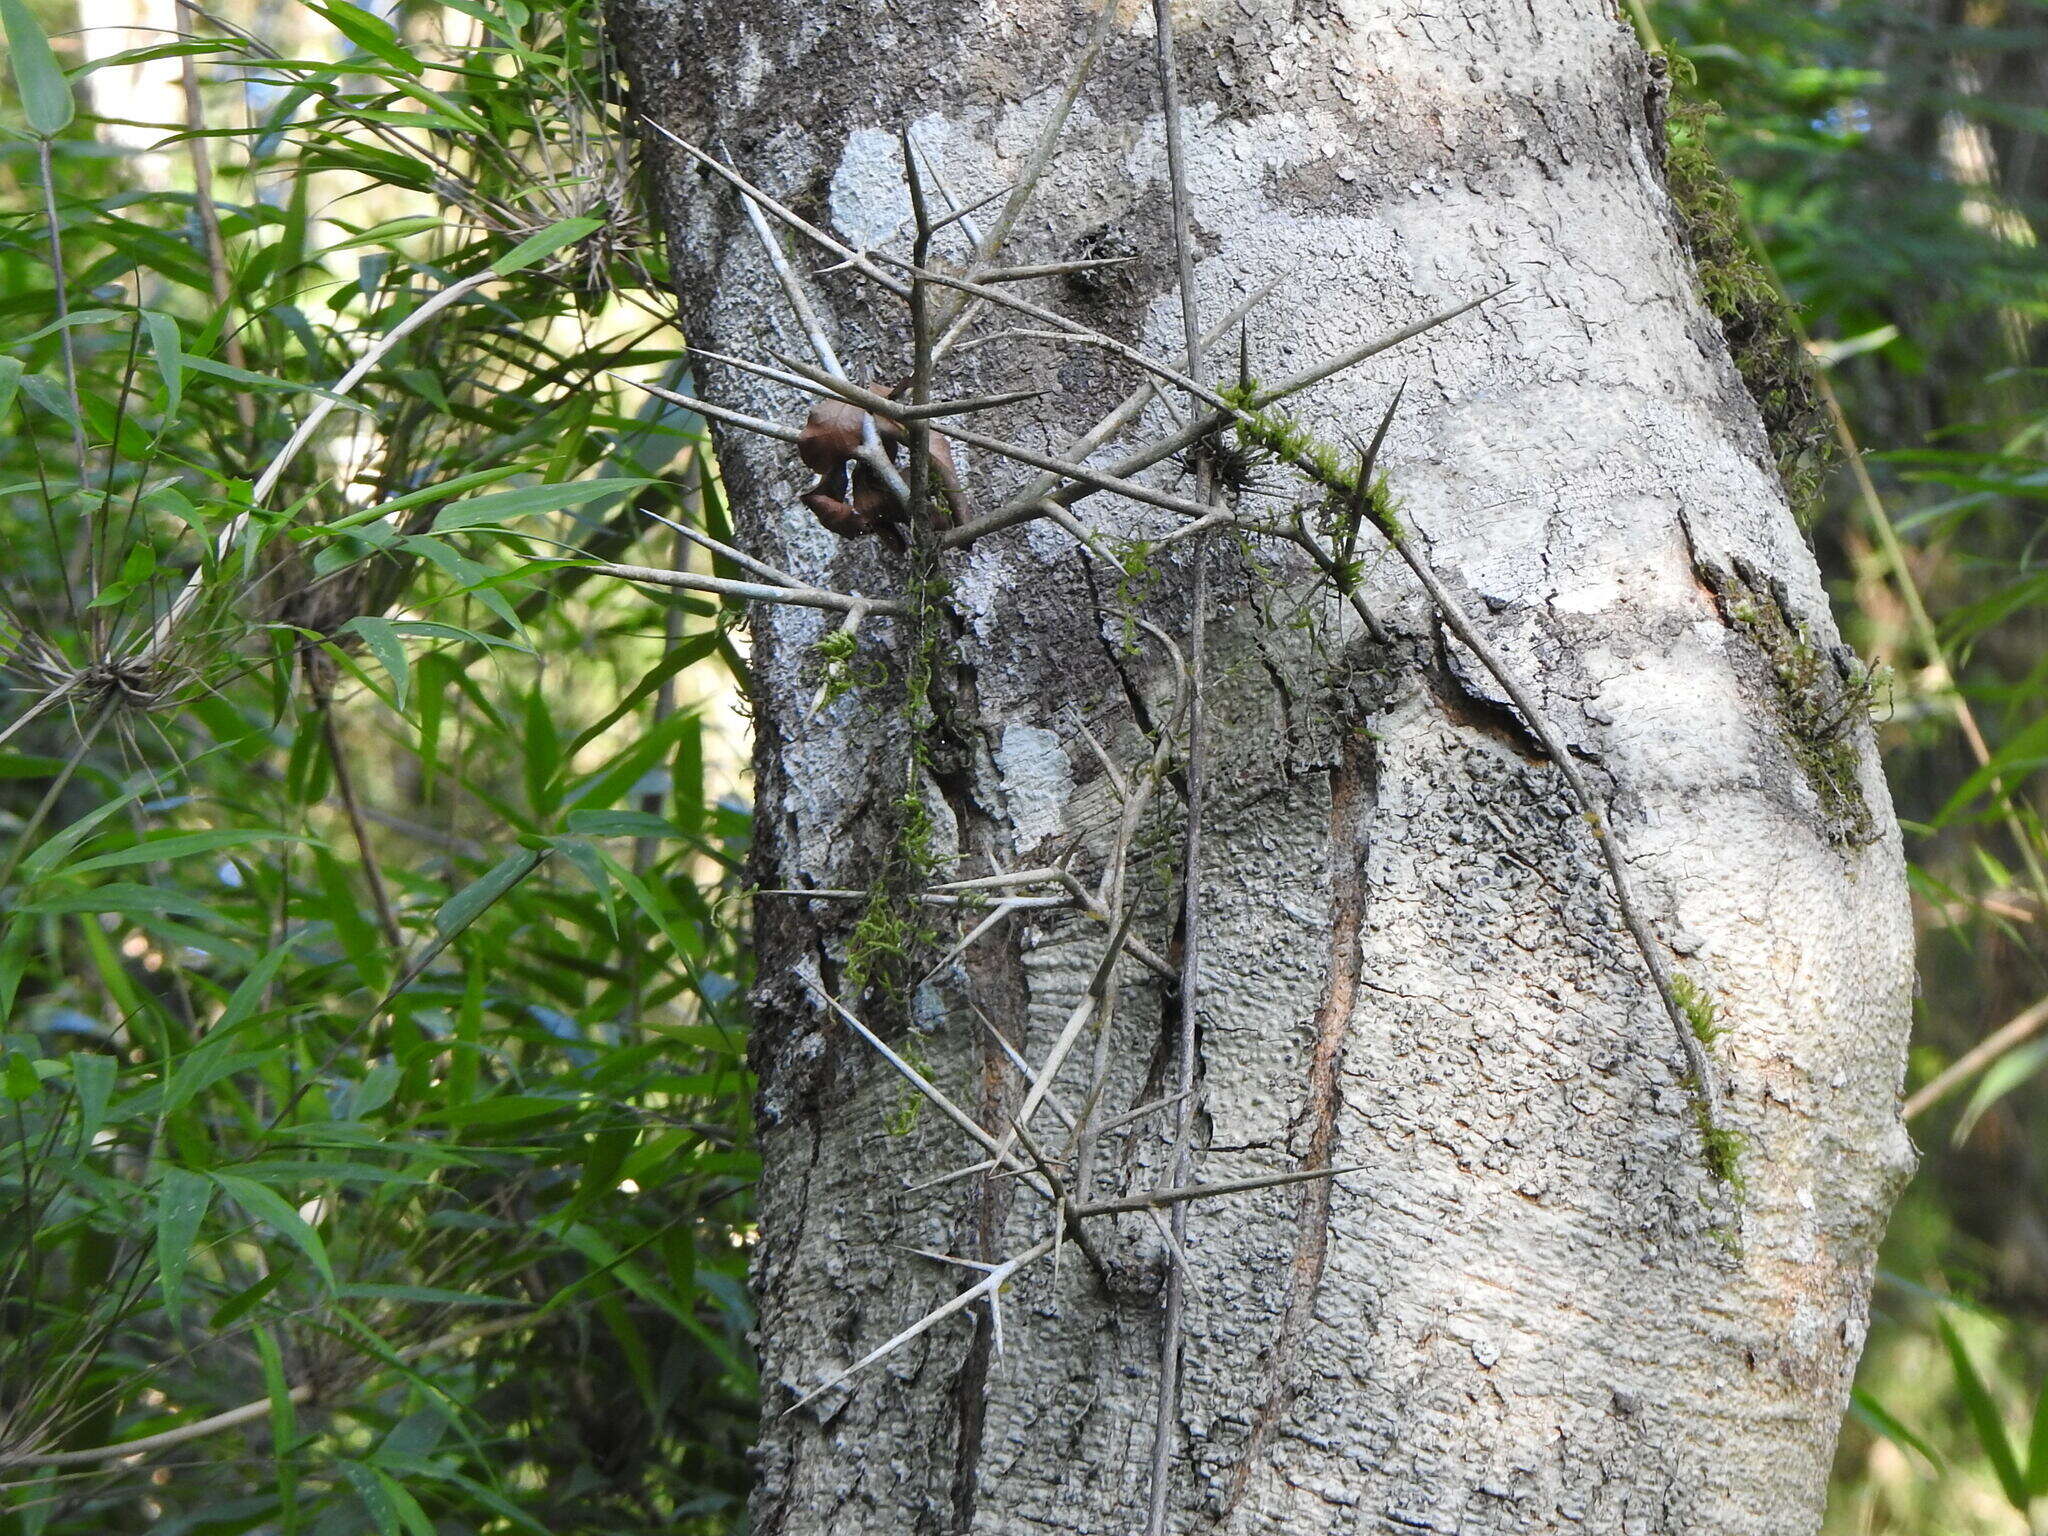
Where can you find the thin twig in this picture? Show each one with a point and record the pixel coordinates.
(1167, 1402)
(2016, 1031)
(798, 597)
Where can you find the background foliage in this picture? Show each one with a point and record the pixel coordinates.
(369, 967)
(373, 1058)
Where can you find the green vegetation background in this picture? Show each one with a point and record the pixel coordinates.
(372, 966)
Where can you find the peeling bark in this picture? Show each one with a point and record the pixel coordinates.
(1533, 1311)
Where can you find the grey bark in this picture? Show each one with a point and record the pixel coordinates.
(1533, 1310)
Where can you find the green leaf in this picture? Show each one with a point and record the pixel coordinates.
(689, 652)
(470, 903)
(503, 1110)
(267, 1205)
(1985, 1419)
(18, 1080)
(181, 845)
(391, 229)
(410, 1515)
(125, 898)
(45, 93)
(1884, 1422)
(92, 1079)
(375, 1090)
(587, 864)
(2004, 1075)
(602, 1163)
(136, 568)
(46, 857)
(371, 33)
(10, 381)
(242, 1003)
(182, 1197)
(2037, 1447)
(237, 1306)
(528, 251)
(375, 1496)
(425, 1470)
(284, 1414)
(425, 1295)
(620, 824)
(385, 644)
(498, 506)
(441, 492)
(164, 341)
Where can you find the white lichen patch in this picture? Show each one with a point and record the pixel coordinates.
(1038, 780)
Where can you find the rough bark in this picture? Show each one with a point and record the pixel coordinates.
(1533, 1310)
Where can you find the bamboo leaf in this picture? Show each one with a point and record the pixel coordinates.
(169, 348)
(470, 903)
(1985, 1419)
(268, 1205)
(45, 93)
(528, 251)
(499, 506)
(182, 1198)
(384, 643)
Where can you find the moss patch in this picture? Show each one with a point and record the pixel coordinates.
(1747, 304)
(1817, 696)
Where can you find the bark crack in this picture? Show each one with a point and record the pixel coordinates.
(1352, 784)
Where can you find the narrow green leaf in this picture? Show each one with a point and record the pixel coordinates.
(602, 1163)
(45, 93)
(92, 1079)
(410, 1515)
(165, 342)
(442, 492)
(242, 1002)
(503, 1110)
(391, 229)
(46, 857)
(1884, 1422)
(587, 864)
(2004, 1075)
(371, 1491)
(181, 845)
(528, 251)
(267, 1205)
(239, 1305)
(284, 1418)
(470, 903)
(375, 1090)
(425, 1295)
(1985, 1419)
(620, 824)
(125, 898)
(688, 653)
(76, 318)
(371, 33)
(2037, 1447)
(182, 1197)
(10, 381)
(499, 506)
(385, 644)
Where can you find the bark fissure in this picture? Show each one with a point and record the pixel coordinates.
(1315, 1128)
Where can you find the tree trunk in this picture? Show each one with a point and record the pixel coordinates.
(1531, 1307)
